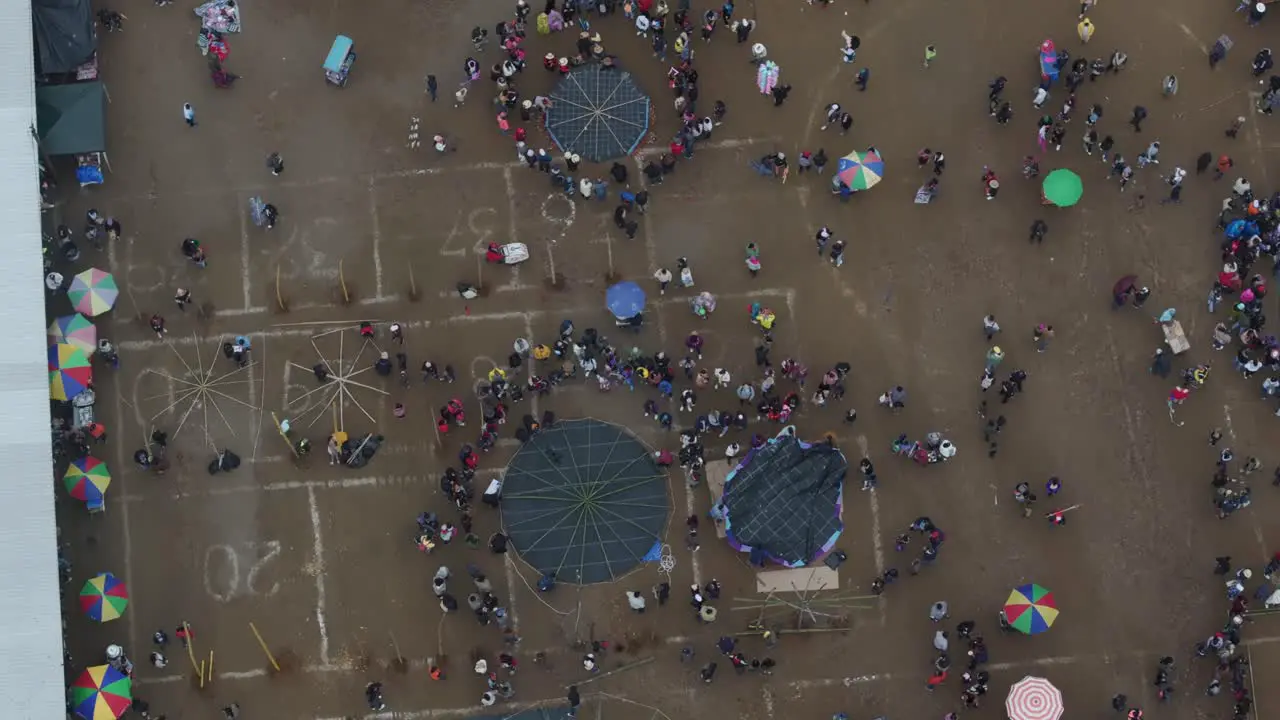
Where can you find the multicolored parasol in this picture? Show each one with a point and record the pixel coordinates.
(1030, 609)
(1062, 188)
(860, 170)
(93, 292)
(70, 371)
(104, 598)
(87, 479)
(101, 693)
(75, 330)
(1033, 698)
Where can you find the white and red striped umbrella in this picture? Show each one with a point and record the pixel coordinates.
(1033, 698)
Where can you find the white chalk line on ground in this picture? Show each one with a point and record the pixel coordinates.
(246, 282)
(376, 227)
(385, 664)
(798, 685)
(509, 567)
(377, 177)
(651, 255)
(318, 569)
(1253, 516)
(726, 144)
(877, 544)
(1256, 134)
(126, 531)
(352, 483)
(786, 294)
(1192, 37)
(509, 183)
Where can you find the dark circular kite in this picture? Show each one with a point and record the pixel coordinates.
(598, 113)
(584, 499)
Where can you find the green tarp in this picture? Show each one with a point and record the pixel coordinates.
(72, 118)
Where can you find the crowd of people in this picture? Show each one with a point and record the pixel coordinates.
(774, 394)
(704, 402)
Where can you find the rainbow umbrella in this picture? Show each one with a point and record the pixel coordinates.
(87, 479)
(75, 330)
(860, 170)
(70, 371)
(1030, 609)
(101, 693)
(104, 598)
(93, 292)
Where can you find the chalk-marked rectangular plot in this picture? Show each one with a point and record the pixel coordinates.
(323, 233)
(438, 226)
(330, 381)
(683, 231)
(560, 229)
(197, 396)
(149, 265)
(344, 519)
(213, 557)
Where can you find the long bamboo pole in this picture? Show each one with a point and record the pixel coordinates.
(630, 666)
(265, 650)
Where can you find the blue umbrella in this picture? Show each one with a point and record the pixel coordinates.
(625, 300)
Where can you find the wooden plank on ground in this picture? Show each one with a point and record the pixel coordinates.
(717, 472)
(797, 579)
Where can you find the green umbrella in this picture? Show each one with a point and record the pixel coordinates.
(1062, 188)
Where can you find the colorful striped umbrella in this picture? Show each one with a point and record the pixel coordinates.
(70, 371)
(75, 330)
(93, 292)
(101, 693)
(104, 598)
(1030, 609)
(860, 170)
(87, 479)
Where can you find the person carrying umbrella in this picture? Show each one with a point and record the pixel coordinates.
(1121, 291)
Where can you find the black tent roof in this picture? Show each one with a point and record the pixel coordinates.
(784, 499)
(71, 118)
(65, 34)
(585, 500)
(599, 113)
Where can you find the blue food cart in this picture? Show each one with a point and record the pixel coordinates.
(341, 57)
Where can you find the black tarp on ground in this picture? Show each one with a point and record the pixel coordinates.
(784, 499)
(584, 500)
(71, 119)
(65, 35)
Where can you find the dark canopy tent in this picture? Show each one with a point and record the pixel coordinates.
(71, 118)
(599, 113)
(585, 500)
(783, 500)
(65, 35)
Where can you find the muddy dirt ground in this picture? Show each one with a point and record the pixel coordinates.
(320, 559)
